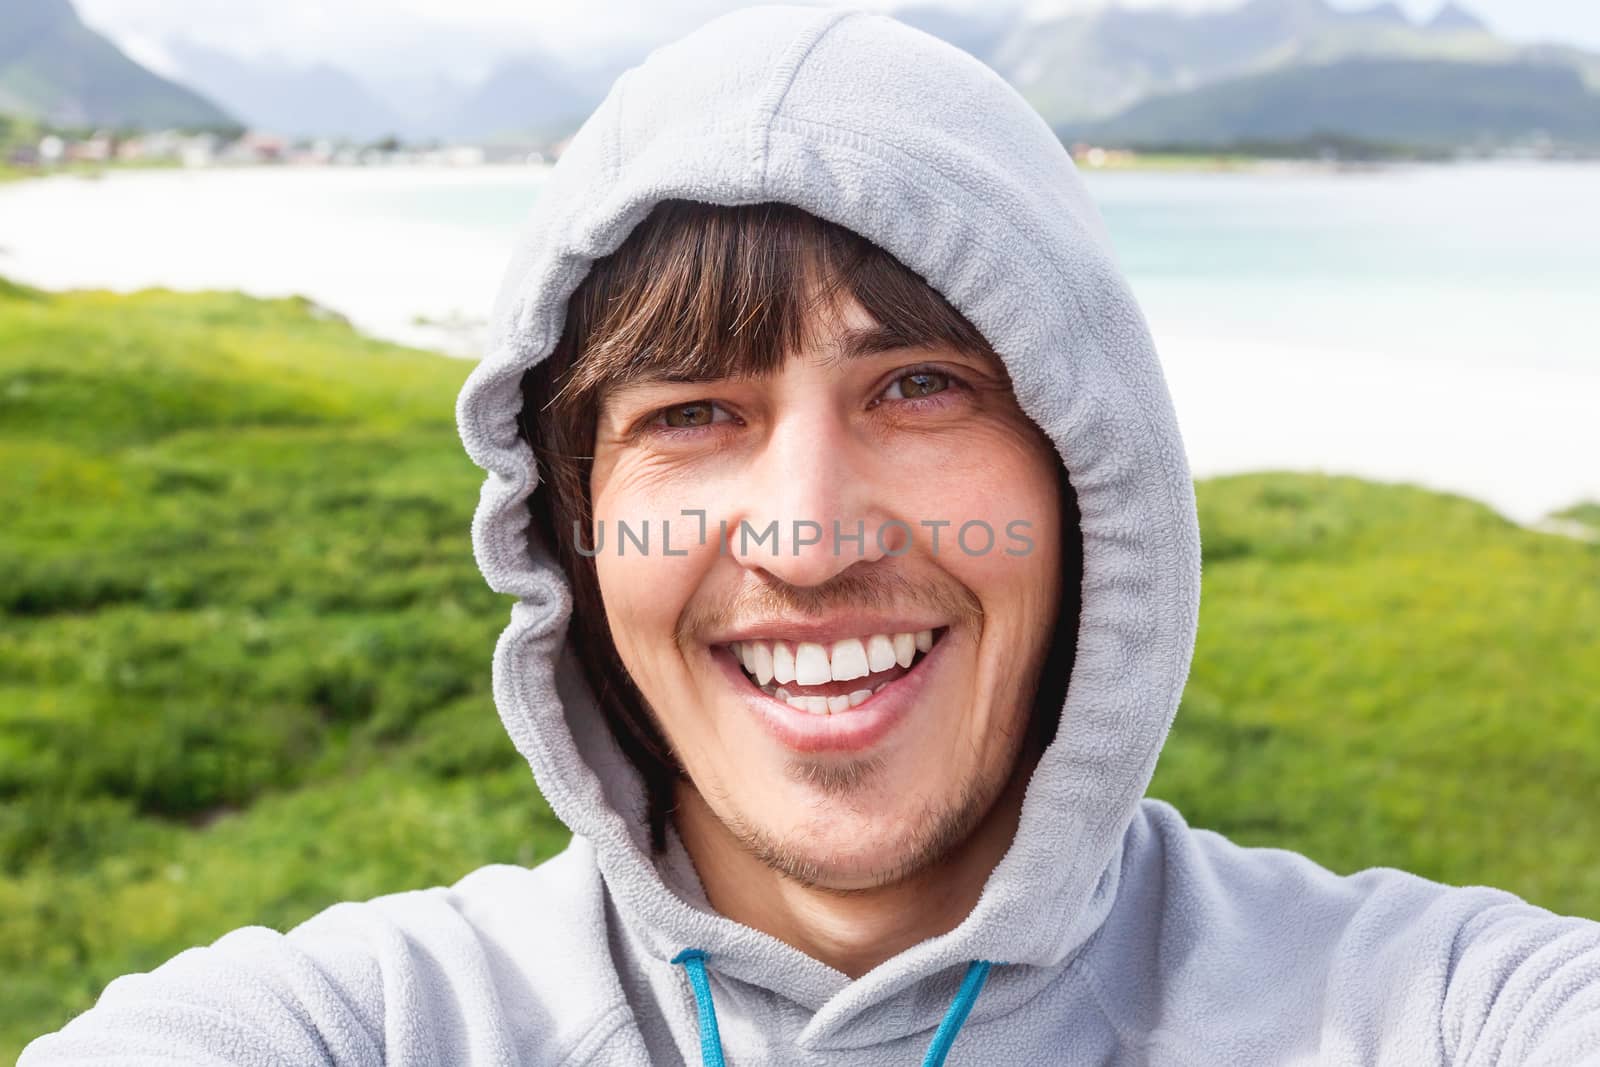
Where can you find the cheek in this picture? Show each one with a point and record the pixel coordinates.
(1004, 487)
(999, 493)
(649, 564)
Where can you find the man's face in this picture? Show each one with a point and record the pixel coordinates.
(890, 678)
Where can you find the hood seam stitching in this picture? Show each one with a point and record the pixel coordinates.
(616, 131)
(800, 48)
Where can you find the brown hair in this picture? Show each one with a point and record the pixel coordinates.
(711, 291)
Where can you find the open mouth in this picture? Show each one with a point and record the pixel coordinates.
(833, 677)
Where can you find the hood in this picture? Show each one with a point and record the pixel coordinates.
(920, 148)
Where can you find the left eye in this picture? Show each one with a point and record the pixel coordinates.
(917, 384)
(688, 416)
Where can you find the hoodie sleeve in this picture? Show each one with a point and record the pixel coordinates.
(1220, 953)
(253, 998)
(1420, 972)
(506, 968)
(1523, 989)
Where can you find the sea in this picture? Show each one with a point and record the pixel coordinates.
(1436, 324)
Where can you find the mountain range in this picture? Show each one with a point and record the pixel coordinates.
(1261, 70)
(56, 70)
(528, 93)
(1283, 70)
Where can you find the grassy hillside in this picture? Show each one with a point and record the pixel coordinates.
(244, 652)
(1389, 676)
(244, 655)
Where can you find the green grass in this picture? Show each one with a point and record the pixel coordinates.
(1390, 676)
(244, 652)
(244, 649)
(1171, 161)
(1586, 513)
(10, 172)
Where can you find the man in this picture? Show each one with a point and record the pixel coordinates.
(857, 576)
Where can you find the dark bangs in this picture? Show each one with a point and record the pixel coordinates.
(702, 291)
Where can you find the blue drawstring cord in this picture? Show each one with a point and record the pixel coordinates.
(694, 963)
(945, 1036)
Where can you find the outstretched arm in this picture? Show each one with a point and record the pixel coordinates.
(1523, 990)
(253, 998)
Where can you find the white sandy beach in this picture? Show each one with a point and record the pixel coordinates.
(1397, 379)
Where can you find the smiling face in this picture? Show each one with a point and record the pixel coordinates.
(847, 710)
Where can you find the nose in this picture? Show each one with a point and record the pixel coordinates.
(809, 506)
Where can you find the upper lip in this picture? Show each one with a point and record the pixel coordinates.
(822, 631)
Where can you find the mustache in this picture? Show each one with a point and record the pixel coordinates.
(872, 588)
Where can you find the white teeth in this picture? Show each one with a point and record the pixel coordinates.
(880, 653)
(811, 664)
(849, 660)
(825, 705)
(782, 661)
(763, 662)
(809, 705)
(905, 647)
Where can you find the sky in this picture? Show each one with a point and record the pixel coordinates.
(394, 39)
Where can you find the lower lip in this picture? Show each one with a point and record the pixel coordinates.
(851, 730)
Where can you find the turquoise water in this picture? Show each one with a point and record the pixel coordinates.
(1485, 263)
(1349, 255)
(1472, 262)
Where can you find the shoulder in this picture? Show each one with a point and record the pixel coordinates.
(1164, 854)
(1219, 942)
(507, 965)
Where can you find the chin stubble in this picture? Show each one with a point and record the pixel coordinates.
(939, 830)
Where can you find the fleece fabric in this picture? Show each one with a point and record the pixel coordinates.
(1111, 933)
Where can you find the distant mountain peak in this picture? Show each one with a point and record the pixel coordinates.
(1313, 8)
(270, 92)
(55, 68)
(1454, 18)
(1387, 12)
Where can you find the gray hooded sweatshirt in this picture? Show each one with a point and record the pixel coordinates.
(1111, 932)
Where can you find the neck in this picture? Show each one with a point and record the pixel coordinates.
(851, 930)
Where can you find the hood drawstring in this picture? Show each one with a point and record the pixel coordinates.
(694, 964)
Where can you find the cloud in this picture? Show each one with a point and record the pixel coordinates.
(389, 35)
